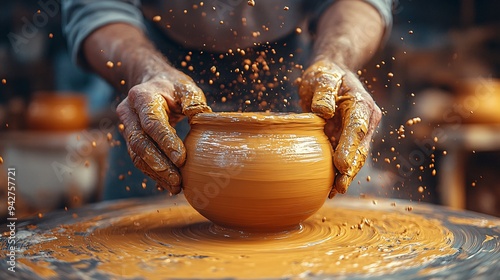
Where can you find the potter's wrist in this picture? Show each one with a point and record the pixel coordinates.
(141, 61)
(154, 68)
(325, 59)
(342, 52)
(336, 64)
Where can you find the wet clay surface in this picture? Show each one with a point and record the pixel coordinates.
(257, 171)
(166, 238)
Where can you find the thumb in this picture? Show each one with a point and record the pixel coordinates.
(323, 101)
(319, 87)
(190, 97)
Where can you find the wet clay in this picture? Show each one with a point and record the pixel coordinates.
(176, 242)
(474, 222)
(257, 171)
(338, 96)
(148, 120)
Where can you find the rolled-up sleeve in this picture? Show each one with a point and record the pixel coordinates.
(384, 7)
(81, 17)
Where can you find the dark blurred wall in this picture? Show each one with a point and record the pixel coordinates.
(33, 57)
(27, 49)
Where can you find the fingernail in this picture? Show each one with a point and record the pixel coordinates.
(205, 109)
(174, 190)
(323, 109)
(342, 183)
(174, 179)
(192, 110)
(333, 192)
(175, 157)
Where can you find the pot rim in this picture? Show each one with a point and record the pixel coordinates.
(257, 118)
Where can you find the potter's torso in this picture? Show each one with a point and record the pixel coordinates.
(218, 25)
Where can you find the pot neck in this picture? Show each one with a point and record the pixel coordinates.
(258, 120)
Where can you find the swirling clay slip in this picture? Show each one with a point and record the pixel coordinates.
(169, 239)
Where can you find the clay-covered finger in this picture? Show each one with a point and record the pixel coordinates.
(190, 97)
(319, 88)
(343, 181)
(152, 110)
(351, 151)
(144, 152)
(168, 179)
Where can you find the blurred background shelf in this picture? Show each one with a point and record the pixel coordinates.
(460, 142)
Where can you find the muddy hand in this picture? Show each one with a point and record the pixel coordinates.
(148, 114)
(352, 116)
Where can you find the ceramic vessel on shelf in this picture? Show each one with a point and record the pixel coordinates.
(58, 111)
(257, 171)
(478, 101)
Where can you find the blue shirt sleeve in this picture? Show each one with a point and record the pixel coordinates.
(81, 17)
(384, 7)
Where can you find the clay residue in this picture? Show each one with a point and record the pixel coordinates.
(489, 238)
(473, 222)
(177, 242)
(43, 269)
(259, 118)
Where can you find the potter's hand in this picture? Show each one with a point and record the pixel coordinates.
(148, 114)
(325, 88)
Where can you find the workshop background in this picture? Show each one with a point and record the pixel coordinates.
(437, 80)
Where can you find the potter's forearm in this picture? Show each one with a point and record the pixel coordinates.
(349, 32)
(134, 58)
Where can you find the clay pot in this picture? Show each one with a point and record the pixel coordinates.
(51, 111)
(479, 101)
(257, 171)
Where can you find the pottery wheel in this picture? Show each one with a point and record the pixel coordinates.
(348, 238)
